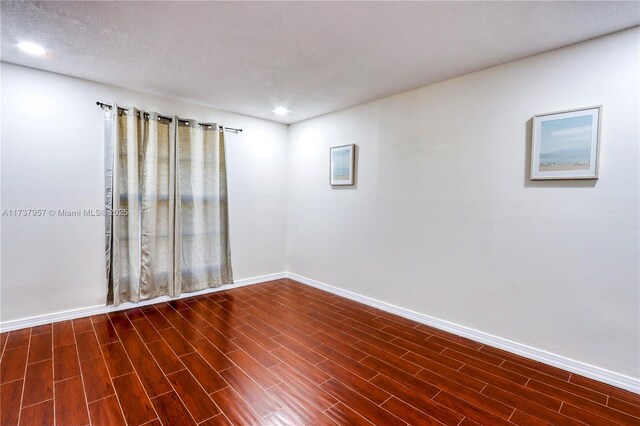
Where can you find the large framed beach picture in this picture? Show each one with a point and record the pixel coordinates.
(565, 145)
(342, 165)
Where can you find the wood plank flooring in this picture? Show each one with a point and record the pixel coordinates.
(282, 353)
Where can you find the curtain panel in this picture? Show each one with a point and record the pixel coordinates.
(203, 259)
(169, 177)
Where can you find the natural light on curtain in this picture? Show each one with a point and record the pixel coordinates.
(169, 177)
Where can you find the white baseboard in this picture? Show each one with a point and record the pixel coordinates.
(101, 309)
(571, 365)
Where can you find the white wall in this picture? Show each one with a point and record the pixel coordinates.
(444, 220)
(52, 158)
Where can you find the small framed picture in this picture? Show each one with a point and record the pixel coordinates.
(565, 145)
(342, 165)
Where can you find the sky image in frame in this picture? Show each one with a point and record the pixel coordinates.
(341, 163)
(566, 140)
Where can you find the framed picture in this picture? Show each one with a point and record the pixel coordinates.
(565, 145)
(342, 165)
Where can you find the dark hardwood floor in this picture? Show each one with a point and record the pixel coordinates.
(282, 353)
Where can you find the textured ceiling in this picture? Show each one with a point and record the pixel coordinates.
(312, 57)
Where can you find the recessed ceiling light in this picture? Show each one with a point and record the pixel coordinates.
(32, 48)
(281, 111)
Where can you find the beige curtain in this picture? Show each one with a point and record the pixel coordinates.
(158, 242)
(202, 238)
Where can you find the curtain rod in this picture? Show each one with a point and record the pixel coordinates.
(225, 129)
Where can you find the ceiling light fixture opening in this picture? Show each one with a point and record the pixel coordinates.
(31, 48)
(281, 111)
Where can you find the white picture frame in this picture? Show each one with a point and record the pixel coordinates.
(342, 165)
(566, 144)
